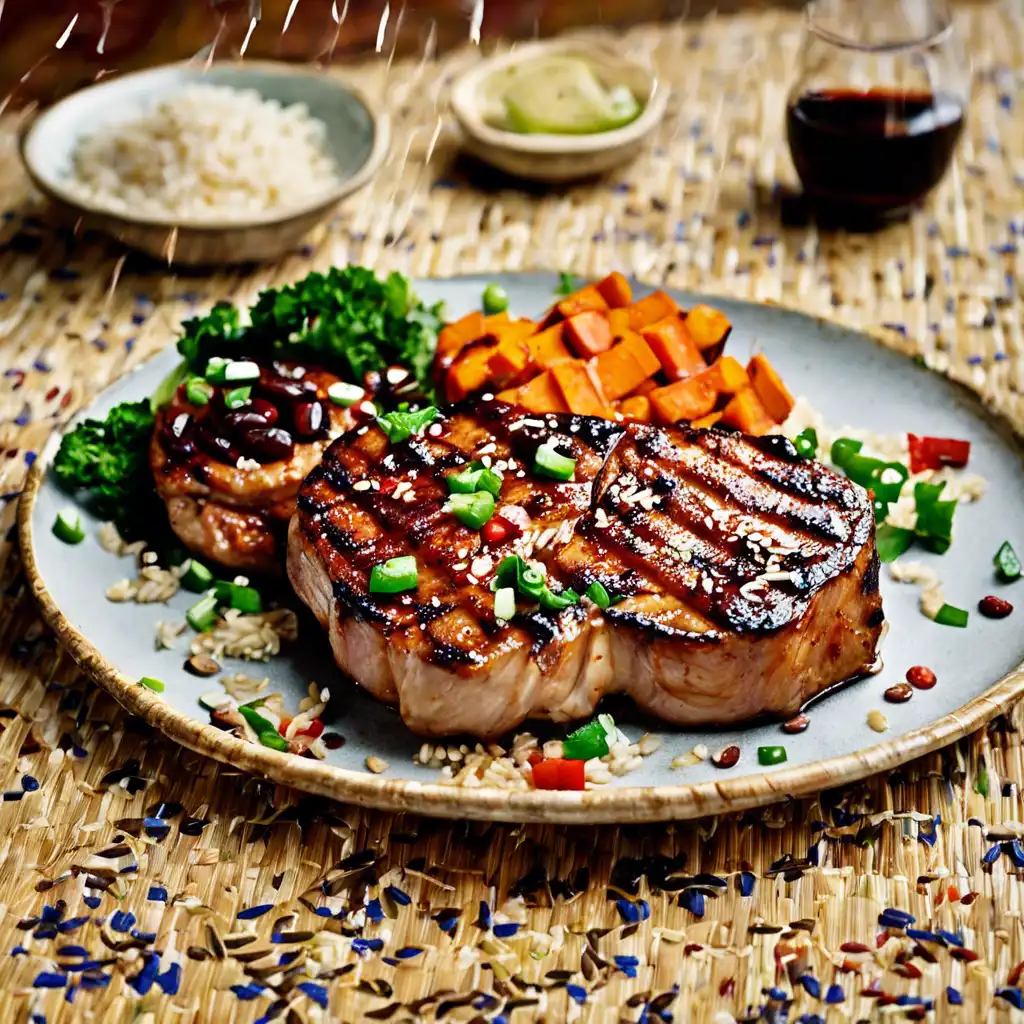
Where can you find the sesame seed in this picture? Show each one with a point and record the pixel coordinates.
(361, 485)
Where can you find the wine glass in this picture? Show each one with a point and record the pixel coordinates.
(878, 105)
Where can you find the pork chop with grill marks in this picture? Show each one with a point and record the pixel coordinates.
(748, 575)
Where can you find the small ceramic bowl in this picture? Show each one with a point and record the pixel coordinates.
(557, 158)
(357, 139)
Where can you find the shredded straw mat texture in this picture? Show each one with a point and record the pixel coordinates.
(142, 883)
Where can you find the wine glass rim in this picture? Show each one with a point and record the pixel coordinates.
(940, 35)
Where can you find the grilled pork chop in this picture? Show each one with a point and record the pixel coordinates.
(229, 477)
(748, 575)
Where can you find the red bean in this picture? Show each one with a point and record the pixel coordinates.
(242, 419)
(309, 419)
(267, 410)
(920, 677)
(796, 725)
(267, 444)
(727, 757)
(900, 693)
(278, 390)
(994, 607)
(217, 446)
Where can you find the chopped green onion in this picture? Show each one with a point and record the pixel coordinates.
(197, 577)
(1007, 563)
(471, 510)
(495, 299)
(216, 370)
(843, 448)
(566, 284)
(68, 527)
(806, 442)
(241, 371)
(505, 603)
(597, 593)
(475, 477)
(950, 615)
(551, 463)
(234, 595)
(166, 389)
(152, 684)
(401, 424)
(264, 729)
(235, 398)
(344, 394)
(892, 541)
(771, 755)
(394, 576)
(197, 391)
(590, 740)
(869, 472)
(555, 601)
(202, 616)
(214, 701)
(513, 571)
(934, 524)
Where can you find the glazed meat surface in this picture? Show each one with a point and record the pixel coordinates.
(748, 576)
(229, 477)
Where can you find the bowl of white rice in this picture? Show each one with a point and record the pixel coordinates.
(193, 164)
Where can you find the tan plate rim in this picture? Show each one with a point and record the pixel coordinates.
(464, 105)
(378, 151)
(626, 804)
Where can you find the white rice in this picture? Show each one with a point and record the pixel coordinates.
(255, 637)
(492, 765)
(206, 151)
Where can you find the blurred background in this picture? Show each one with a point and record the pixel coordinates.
(51, 47)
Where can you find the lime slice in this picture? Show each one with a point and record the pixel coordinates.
(564, 97)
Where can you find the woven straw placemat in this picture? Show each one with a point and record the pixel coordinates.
(139, 882)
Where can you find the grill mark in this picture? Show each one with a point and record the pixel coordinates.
(748, 494)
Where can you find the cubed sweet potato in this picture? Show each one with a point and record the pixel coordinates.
(650, 309)
(580, 302)
(625, 366)
(456, 335)
(618, 322)
(645, 387)
(707, 326)
(707, 421)
(636, 407)
(684, 400)
(745, 412)
(671, 343)
(510, 361)
(547, 347)
(588, 333)
(469, 372)
(729, 375)
(542, 394)
(578, 389)
(615, 290)
(774, 395)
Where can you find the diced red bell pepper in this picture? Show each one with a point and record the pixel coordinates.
(313, 729)
(498, 529)
(283, 727)
(559, 773)
(388, 484)
(936, 452)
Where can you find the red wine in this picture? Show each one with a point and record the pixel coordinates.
(873, 152)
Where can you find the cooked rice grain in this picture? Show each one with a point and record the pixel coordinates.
(254, 637)
(206, 151)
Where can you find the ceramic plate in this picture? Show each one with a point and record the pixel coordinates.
(849, 376)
